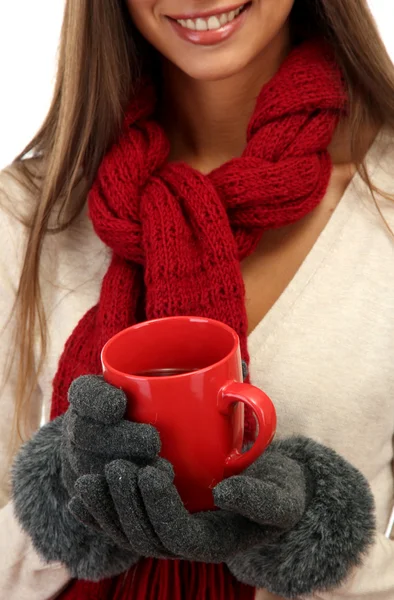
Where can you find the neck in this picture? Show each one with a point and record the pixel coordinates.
(212, 116)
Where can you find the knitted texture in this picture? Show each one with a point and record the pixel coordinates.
(178, 237)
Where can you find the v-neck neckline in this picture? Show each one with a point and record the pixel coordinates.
(318, 253)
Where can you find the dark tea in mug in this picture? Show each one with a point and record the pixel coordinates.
(164, 372)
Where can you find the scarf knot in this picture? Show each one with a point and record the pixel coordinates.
(281, 175)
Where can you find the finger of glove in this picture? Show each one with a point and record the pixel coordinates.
(209, 537)
(80, 462)
(81, 513)
(124, 439)
(92, 397)
(77, 462)
(276, 467)
(263, 502)
(122, 479)
(92, 491)
(164, 465)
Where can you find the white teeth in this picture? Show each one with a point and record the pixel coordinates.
(201, 25)
(211, 23)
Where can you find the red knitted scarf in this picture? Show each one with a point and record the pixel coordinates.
(178, 238)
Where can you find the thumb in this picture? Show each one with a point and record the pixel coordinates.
(265, 503)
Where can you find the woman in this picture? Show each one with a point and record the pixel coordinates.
(233, 155)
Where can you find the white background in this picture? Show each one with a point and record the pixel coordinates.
(29, 31)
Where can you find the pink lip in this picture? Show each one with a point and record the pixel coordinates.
(209, 37)
(206, 14)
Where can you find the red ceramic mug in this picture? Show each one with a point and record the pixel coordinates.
(184, 376)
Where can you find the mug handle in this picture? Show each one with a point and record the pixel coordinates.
(264, 410)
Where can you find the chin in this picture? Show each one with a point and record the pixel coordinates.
(212, 70)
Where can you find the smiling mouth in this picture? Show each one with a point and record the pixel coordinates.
(212, 22)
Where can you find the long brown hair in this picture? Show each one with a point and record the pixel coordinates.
(99, 64)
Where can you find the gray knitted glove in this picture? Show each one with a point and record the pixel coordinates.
(295, 523)
(95, 432)
(122, 516)
(154, 521)
(91, 434)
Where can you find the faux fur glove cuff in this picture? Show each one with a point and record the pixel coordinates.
(331, 538)
(41, 507)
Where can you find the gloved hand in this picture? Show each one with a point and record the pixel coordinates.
(90, 434)
(294, 523)
(270, 497)
(94, 506)
(95, 432)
